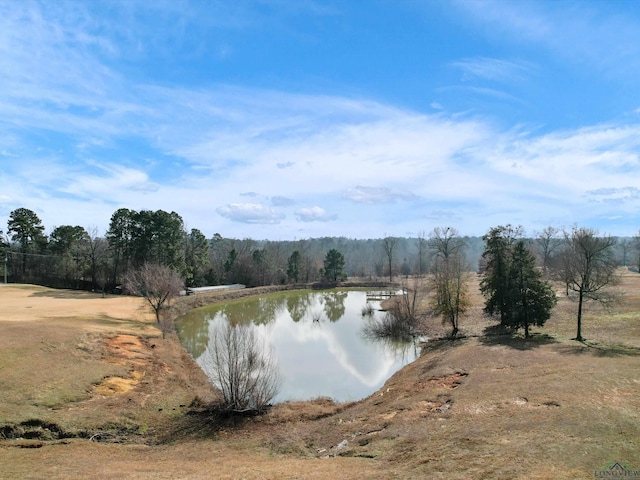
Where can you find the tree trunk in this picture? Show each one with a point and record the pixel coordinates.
(452, 320)
(579, 333)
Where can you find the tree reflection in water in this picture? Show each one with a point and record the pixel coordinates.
(399, 342)
(317, 338)
(334, 305)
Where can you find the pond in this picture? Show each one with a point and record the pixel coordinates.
(317, 337)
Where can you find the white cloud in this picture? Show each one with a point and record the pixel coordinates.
(250, 213)
(106, 180)
(494, 69)
(488, 176)
(78, 131)
(314, 214)
(615, 195)
(366, 194)
(604, 39)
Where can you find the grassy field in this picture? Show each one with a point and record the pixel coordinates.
(90, 390)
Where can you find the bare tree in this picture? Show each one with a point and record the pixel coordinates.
(103, 275)
(241, 367)
(157, 284)
(389, 244)
(625, 248)
(588, 266)
(449, 279)
(422, 250)
(636, 246)
(98, 254)
(445, 241)
(547, 241)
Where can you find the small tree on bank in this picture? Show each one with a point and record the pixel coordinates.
(241, 367)
(449, 276)
(157, 284)
(450, 291)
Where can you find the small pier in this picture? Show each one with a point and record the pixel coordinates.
(380, 295)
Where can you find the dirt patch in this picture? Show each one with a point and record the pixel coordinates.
(447, 382)
(132, 352)
(28, 303)
(117, 385)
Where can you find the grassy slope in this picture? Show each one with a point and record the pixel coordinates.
(480, 407)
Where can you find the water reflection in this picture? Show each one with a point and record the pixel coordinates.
(406, 350)
(260, 311)
(317, 337)
(298, 305)
(334, 306)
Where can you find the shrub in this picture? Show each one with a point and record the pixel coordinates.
(242, 368)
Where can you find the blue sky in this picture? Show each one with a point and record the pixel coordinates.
(285, 120)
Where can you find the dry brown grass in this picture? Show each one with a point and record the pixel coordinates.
(477, 407)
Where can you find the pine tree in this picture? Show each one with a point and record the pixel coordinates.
(513, 286)
(334, 265)
(495, 284)
(293, 266)
(533, 298)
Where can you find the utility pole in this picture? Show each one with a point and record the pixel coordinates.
(5, 267)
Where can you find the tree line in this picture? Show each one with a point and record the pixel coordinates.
(73, 256)
(77, 257)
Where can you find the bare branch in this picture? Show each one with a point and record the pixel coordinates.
(157, 284)
(241, 367)
(588, 266)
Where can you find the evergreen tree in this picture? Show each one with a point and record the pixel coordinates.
(119, 235)
(533, 298)
(513, 286)
(293, 266)
(27, 230)
(70, 245)
(196, 257)
(495, 285)
(334, 265)
(260, 259)
(230, 263)
(147, 236)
